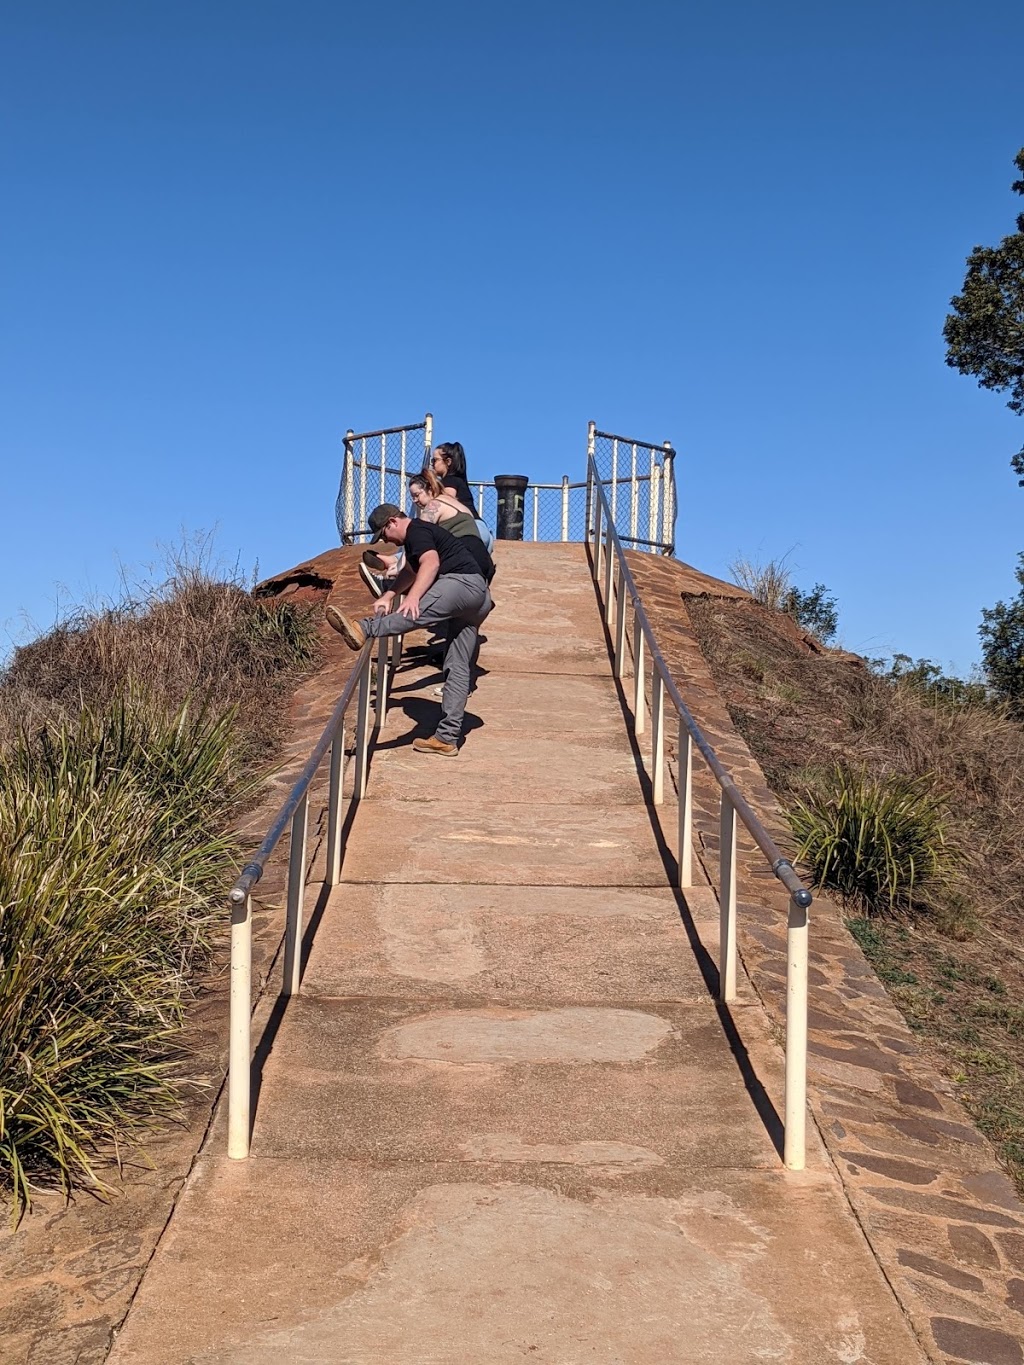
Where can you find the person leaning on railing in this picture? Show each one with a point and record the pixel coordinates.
(444, 580)
(433, 502)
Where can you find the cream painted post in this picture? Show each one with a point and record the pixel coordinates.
(334, 806)
(383, 466)
(590, 511)
(639, 718)
(620, 623)
(239, 1049)
(685, 751)
(403, 492)
(362, 483)
(727, 902)
(428, 437)
(362, 731)
(565, 507)
(349, 478)
(536, 510)
(657, 736)
(668, 490)
(634, 496)
(609, 572)
(296, 897)
(383, 660)
(652, 494)
(796, 1036)
(615, 481)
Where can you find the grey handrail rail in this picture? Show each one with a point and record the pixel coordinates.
(386, 431)
(294, 813)
(618, 591)
(632, 441)
(254, 868)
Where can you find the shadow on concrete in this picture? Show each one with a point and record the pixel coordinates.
(761, 1100)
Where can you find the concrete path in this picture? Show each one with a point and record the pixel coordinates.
(505, 1120)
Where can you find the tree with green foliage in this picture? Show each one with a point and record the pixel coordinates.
(816, 611)
(1002, 646)
(984, 333)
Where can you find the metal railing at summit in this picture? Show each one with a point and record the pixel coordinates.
(639, 476)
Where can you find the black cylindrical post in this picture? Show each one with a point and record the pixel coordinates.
(511, 490)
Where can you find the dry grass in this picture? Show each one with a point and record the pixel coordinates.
(954, 964)
(189, 635)
(128, 737)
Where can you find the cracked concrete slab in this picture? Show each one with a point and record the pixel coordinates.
(505, 944)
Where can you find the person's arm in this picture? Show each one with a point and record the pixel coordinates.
(401, 583)
(430, 567)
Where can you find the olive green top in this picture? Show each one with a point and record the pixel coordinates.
(461, 524)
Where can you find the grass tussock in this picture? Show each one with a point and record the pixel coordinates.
(128, 738)
(874, 841)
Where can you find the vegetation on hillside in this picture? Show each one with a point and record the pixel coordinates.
(905, 789)
(984, 332)
(128, 736)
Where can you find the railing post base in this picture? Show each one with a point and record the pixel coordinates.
(794, 1152)
(239, 1041)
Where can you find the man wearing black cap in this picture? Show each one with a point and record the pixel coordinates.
(444, 580)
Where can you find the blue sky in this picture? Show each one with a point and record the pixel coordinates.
(231, 231)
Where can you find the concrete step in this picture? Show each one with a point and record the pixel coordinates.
(390, 1081)
(502, 843)
(472, 944)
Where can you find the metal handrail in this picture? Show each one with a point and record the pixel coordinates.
(631, 441)
(387, 431)
(253, 870)
(602, 535)
(295, 812)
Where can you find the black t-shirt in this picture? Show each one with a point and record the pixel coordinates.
(460, 488)
(454, 552)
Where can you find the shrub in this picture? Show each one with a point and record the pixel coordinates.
(873, 841)
(771, 584)
(767, 583)
(128, 735)
(112, 863)
(815, 611)
(927, 677)
(1002, 646)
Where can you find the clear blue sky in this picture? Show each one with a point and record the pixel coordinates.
(232, 230)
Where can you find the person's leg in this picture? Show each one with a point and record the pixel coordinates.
(463, 596)
(458, 661)
(453, 595)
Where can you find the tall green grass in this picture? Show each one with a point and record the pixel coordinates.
(113, 862)
(128, 736)
(874, 841)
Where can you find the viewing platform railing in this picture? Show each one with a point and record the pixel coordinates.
(639, 476)
(619, 597)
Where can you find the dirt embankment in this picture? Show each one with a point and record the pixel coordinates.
(956, 969)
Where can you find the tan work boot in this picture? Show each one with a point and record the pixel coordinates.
(350, 631)
(433, 745)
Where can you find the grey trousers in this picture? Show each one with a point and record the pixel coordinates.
(460, 602)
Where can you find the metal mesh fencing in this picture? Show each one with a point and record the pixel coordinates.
(555, 511)
(640, 482)
(377, 467)
(639, 479)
